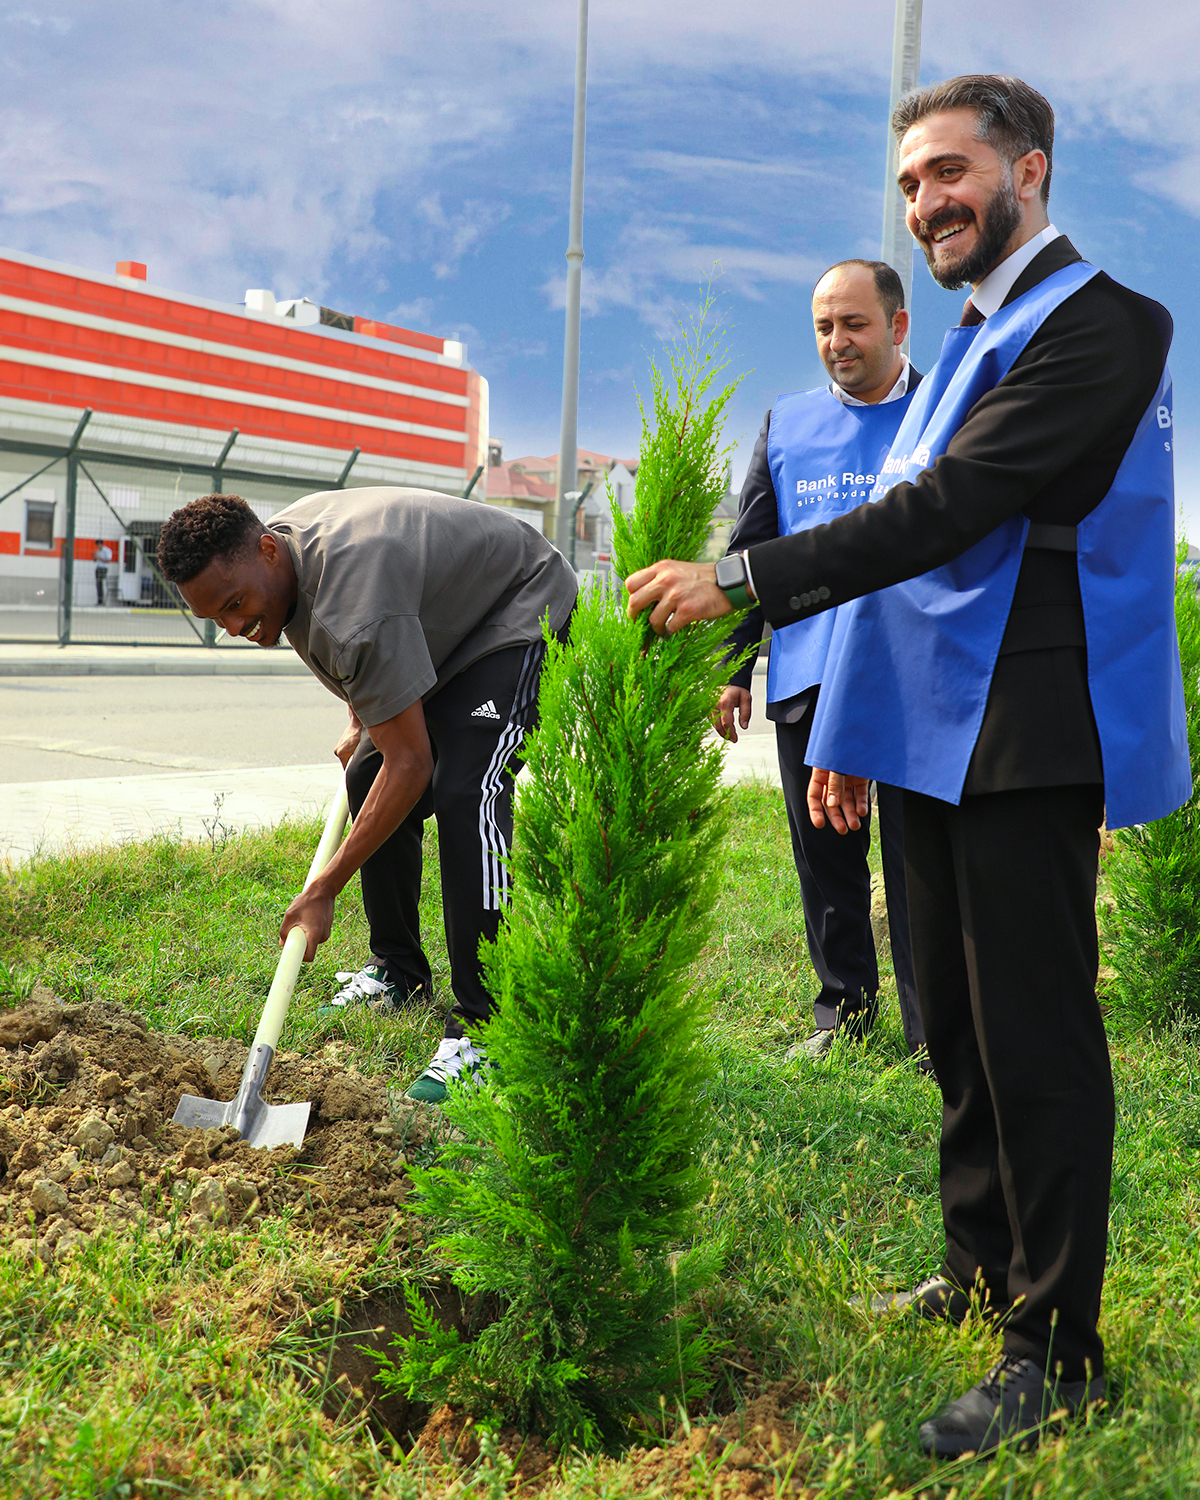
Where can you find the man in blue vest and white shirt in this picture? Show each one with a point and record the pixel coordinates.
(1011, 660)
(818, 456)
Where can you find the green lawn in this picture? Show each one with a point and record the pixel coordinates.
(143, 1368)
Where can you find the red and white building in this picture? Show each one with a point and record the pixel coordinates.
(167, 378)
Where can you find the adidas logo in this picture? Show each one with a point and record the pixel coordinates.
(485, 711)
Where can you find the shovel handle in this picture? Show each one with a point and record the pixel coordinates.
(286, 970)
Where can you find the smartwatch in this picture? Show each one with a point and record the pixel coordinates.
(731, 580)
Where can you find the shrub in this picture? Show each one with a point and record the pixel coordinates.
(1153, 925)
(570, 1199)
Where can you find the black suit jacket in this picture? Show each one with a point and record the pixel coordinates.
(1047, 440)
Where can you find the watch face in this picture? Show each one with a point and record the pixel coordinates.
(731, 571)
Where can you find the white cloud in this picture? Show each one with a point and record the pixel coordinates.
(655, 267)
(453, 235)
(418, 314)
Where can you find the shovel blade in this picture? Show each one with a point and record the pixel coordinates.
(279, 1125)
(200, 1114)
(271, 1124)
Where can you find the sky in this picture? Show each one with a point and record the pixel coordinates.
(410, 161)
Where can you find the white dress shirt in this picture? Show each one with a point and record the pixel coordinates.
(989, 295)
(897, 392)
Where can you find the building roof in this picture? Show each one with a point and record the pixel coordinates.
(72, 339)
(504, 483)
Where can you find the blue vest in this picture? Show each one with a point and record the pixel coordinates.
(824, 458)
(910, 667)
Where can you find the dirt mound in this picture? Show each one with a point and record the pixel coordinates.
(87, 1144)
(751, 1452)
(86, 1098)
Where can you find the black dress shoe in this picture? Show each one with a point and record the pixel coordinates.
(1015, 1400)
(933, 1298)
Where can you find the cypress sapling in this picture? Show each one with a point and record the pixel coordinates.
(570, 1198)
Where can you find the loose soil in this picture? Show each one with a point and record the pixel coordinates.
(751, 1452)
(87, 1145)
(86, 1138)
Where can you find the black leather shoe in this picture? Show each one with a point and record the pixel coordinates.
(933, 1298)
(1016, 1401)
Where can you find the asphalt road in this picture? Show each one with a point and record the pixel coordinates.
(69, 728)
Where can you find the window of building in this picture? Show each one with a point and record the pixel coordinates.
(39, 523)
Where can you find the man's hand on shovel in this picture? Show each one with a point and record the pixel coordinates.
(313, 910)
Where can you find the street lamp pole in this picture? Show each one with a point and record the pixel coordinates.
(897, 246)
(568, 443)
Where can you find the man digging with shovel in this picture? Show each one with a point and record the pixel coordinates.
(424, 613)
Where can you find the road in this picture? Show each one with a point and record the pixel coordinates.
(97, 760)
(67, 728)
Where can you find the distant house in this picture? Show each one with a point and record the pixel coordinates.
(529, 485)
(534, 500)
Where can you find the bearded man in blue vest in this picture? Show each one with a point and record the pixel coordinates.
(1010, 660)
(818, 455)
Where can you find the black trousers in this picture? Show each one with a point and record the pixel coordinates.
(477, 723)
(1001, 898)
(835, 891)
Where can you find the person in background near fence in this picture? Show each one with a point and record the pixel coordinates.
(1011, 660)
(424, 612)
(817, 456)
(102, 556)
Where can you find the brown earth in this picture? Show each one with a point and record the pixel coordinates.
(752, 1451)
(86, 1138)
(87, 1145)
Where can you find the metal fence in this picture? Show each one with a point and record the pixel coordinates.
(87, 569)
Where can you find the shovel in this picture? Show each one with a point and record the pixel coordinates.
(256, 1121)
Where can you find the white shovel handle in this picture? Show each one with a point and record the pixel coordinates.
(288, 967)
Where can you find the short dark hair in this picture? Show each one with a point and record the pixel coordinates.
(1013, 118)
(212, 526)
(888, 286)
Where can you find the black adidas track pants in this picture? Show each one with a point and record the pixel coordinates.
(476, 725)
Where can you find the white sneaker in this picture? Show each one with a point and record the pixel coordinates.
(456, 1059)
(370, 988)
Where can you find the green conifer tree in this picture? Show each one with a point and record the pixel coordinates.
(1153, 927)
(570, 1199)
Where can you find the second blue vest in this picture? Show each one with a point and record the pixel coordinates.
(824, 458)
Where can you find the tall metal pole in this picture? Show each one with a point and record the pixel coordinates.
(568, 442)
(897, 247)
(66, 576)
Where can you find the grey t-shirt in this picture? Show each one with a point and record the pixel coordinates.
(400, 589)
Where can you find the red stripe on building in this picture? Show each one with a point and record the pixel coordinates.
(35, 284)
(68, 341)
(62, 388)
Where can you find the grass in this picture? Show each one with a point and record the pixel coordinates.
(148, 1367)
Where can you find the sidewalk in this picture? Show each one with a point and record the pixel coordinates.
(55, 816)
(47, 659)
(49, 817)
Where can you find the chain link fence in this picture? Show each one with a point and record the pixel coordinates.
(78, 544)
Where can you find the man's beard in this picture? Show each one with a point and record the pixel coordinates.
(1002, 219)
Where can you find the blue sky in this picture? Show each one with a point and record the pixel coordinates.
(409, 160)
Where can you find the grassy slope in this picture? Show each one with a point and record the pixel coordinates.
(112, 1381)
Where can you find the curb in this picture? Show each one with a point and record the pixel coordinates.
(209, 665)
